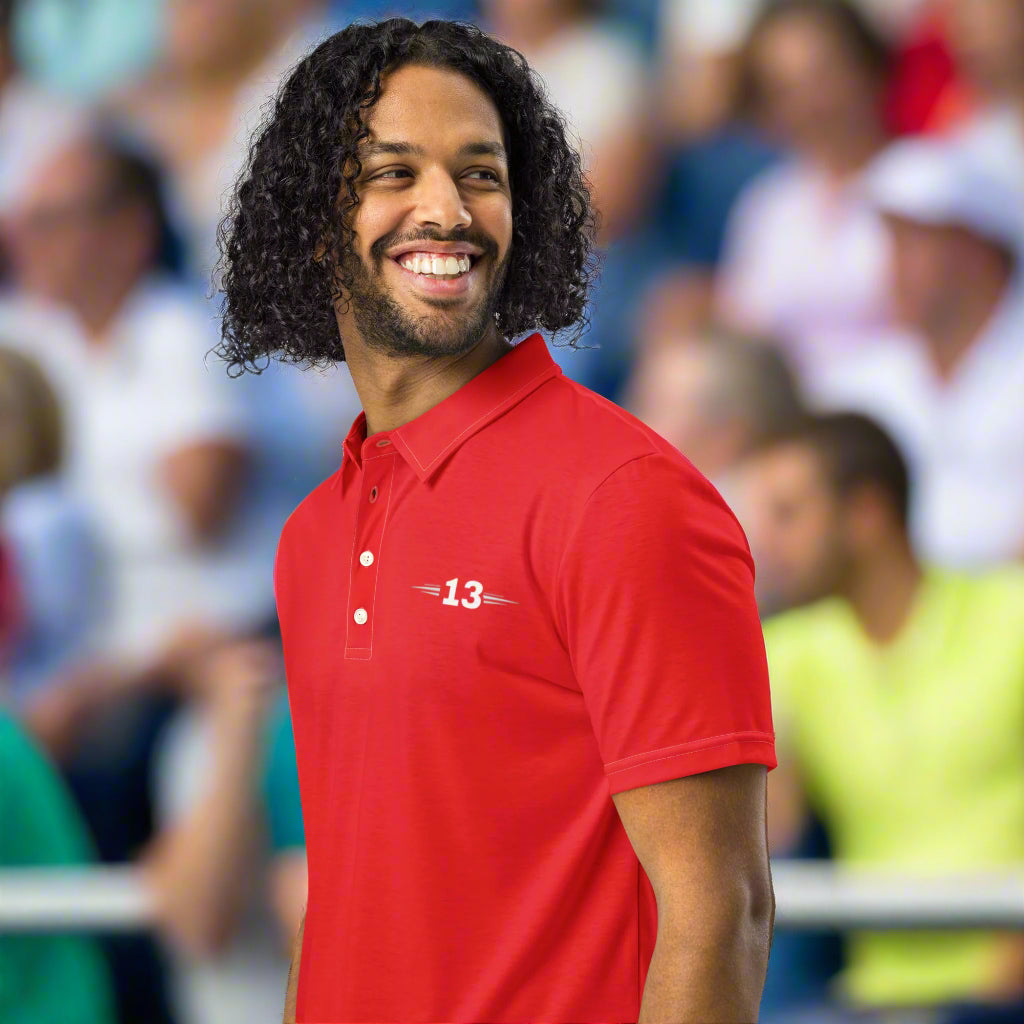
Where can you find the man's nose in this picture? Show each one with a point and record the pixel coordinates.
(439, 203)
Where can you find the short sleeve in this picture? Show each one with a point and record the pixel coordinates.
(655, 595)
(281, 782)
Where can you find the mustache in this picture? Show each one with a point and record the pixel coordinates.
(484, 242)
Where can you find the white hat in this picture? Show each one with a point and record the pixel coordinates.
(933, 182)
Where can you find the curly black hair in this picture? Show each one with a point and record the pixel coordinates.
(285, 237)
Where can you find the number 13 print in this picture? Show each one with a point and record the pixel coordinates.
(475, 589)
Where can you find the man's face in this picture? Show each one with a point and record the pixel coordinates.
(794, 523)
(59, 232)
(925, 258)
(811, 86)
(988, 40)
(433, 226)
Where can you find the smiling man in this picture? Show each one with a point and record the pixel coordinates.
(525, 668)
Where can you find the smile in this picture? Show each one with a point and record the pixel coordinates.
(438, 273)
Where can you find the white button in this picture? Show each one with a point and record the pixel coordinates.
(360, 616)
(366, 558)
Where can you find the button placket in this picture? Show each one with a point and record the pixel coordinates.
(378, 471)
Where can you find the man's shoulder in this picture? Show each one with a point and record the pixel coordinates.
(578, 432)
(809, 634)
(990, 598)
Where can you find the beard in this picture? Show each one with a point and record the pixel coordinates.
(388, 327)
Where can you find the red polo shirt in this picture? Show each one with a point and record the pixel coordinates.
(494, 617)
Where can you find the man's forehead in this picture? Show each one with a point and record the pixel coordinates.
(421, 106)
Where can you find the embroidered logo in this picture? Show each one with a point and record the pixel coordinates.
(476, 598)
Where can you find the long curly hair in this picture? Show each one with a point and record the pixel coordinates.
(284, 239)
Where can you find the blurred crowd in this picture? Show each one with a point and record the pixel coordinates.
(812, 227)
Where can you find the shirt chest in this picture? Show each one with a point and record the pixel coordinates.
(405, 589)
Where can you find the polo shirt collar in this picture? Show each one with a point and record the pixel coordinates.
(427, 441)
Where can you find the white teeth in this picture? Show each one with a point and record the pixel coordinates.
(439, 265)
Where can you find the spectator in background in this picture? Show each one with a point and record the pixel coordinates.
(157, 446)
(988, 41)
(45, 978)
(716, 397)
(803, 250)
(595, 75)
(221, 60)
(896, 693)
(218, 882)
(713, 396)
(51, 554)
(947, 380)
(33, 123)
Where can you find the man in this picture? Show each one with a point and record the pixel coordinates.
(512, 600)
(898, 700)
(947, 377)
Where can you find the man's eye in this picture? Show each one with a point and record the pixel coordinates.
(487, 175)
(390, 174)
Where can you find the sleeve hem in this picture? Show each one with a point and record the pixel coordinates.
(691, 759)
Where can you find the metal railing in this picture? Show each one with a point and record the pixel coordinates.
(818, 895)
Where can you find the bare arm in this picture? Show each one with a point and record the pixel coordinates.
(702, 840)
(200, 869)
(293, 976)
(289, 888)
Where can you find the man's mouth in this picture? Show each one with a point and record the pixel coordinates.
(443, 266)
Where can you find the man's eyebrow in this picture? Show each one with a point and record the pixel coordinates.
(382, 148)
(484, 149)
(390, 149)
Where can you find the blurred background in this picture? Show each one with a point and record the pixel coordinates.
(812, 231)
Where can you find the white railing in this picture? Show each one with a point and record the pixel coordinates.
(808, 894)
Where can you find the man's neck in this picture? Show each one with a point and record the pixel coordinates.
(882, 591)
(848, 155)
(394, 391)
(962, 323)
(97, 312)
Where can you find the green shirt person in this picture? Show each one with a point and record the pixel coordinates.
(44, 978)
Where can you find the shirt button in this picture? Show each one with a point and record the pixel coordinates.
(373, 495)
(384, 443)
(366, 558)
(360, 616)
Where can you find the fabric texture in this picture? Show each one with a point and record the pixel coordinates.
(494, 617)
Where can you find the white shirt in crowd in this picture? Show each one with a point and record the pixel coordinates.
(148, 391)
(994, 138)
(963, 437)
(804, 260)
(153, 390)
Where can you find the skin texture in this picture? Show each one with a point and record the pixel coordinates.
(702, 841)
(407, 348)
(715, 911)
